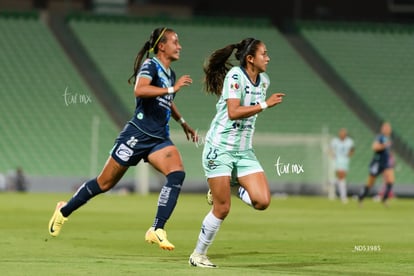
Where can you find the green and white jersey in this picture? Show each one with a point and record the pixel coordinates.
(236, 135)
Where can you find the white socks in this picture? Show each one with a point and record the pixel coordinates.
(211, 225)
(342, 190)
(244, 196)
(209, 229)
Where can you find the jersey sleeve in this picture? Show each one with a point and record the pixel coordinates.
(148, 70)
(232, 87)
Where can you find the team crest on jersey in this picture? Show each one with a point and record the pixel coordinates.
(211, 165)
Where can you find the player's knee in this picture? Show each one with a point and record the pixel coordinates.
(221, 211)
(175, 179)
(106, 184)
(261, 205)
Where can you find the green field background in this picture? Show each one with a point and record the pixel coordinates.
(294, 236)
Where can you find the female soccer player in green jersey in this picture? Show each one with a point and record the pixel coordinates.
(228, 144)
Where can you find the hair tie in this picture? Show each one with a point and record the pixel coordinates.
(158, 39)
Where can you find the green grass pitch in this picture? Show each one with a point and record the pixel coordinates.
(295, 236)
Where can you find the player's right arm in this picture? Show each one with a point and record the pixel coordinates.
(380, 145)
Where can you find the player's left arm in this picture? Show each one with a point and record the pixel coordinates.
(144, 89)
(189, 132)
(237, 111)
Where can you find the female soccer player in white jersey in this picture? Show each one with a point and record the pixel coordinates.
(342, 148)
(145, 136)
(228, 145)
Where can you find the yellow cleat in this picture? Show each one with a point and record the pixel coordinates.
(158, 236)
(57, 220)
(209, 197)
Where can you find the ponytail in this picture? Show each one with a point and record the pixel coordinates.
(216, 69)
(138, 60)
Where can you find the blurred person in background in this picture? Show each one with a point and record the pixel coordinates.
(20, 181)
(16, 180)
(342, 148)
(3, 183)
(381, 163)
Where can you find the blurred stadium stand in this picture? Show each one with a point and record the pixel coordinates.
(47, 109)
(92, 54)
(381, 76)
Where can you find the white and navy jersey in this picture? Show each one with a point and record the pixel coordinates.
(153, 114)
(236, 135)
(342, 148)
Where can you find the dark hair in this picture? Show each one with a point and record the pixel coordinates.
(157, 36)
(218, 63)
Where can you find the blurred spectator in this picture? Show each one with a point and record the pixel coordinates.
(3, 185)
(19, 181)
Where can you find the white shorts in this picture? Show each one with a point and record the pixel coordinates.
(342, 164)
(218, 162)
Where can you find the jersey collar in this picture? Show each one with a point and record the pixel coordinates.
(245, 73)
(166, 71)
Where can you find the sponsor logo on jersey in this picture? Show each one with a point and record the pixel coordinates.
(123, 152)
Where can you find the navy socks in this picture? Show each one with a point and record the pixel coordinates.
(166, 202)
(387, 191)
(85, 192)
(168, 198)
(364, 193)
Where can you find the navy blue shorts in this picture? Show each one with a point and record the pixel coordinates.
(377, 167)
(132, 145)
